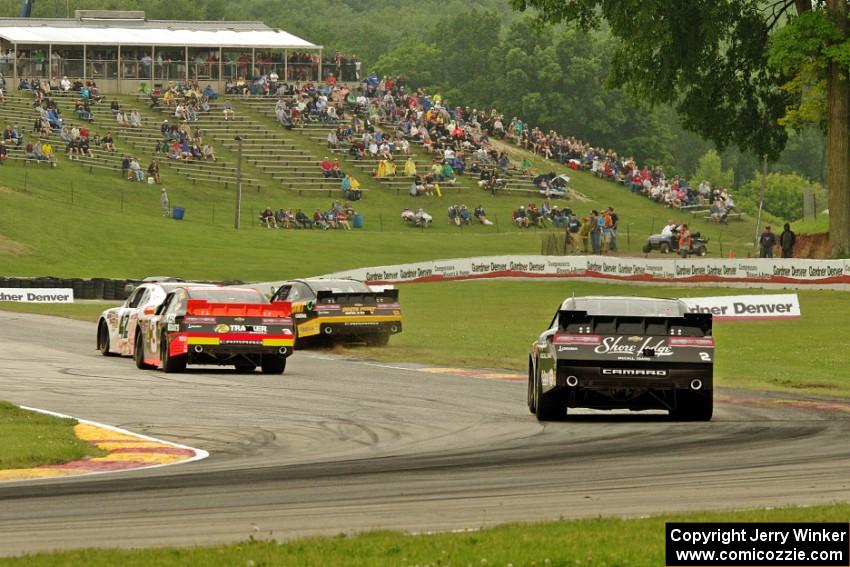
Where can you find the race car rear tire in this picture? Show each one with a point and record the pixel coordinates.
(530, 393)
(381, 339)
(693, 407)
(664, 248)
(273, 364)
(139, 354)
(172, 364)
(103, 339)
(546, 408)
(647, 248)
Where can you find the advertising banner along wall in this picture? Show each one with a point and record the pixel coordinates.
(35, 295)
(771, 306)
(749, 272)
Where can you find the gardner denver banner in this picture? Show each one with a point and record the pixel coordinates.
(35, 295)
(768, 306)
(750, 272)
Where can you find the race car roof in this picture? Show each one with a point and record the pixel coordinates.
(336, 285)
(624, 306)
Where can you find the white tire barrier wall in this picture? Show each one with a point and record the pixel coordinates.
(746, 272)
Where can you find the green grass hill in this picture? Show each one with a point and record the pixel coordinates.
(81, 219)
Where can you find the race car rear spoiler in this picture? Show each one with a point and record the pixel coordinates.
(689, 324)
(203, 308)
(366, 298)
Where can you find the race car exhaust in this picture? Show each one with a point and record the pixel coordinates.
(199, 349)
(283, 350)
(572, 381)
(328, 330)
(394, 329)
(696, 384)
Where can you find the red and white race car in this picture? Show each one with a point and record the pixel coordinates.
(116, 327)
(215, 325)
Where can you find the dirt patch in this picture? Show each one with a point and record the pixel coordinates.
(13, 247)
(814, 246)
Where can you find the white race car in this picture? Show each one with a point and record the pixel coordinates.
(116, 327)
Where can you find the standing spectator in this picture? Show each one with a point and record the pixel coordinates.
(3, 152)
(685, 241)
(767, 241)
(612, 245)
(163, 201)
(584, 233)
(786, 241)
(596, 224)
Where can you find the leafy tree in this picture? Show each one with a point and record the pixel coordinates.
(710, 169)
(783, 196)
(732, 68)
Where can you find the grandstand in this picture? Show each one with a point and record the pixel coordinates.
(122, 51)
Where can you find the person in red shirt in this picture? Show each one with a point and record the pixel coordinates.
(684, 241)
(331, 80)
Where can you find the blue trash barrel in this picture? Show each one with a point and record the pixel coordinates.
(177, 213)
(357, 220)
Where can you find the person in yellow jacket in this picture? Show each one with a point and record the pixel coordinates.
(410, 168)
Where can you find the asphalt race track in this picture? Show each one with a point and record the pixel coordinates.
(335, 446)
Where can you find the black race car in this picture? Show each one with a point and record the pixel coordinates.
(623, 353)
(341, 309)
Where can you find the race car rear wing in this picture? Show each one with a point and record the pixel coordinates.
(366, 298)
(689, 325)
(202, 308)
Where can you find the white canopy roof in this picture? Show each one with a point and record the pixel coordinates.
(90, 35)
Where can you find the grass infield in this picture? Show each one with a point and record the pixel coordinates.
(598, 542)
(30, 439)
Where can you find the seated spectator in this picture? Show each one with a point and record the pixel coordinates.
(719, 212)
(209, 153)
(351, 188)
(408, 216)
(136, 170)
(423, 218)
(153, 171)
(48, 153)
(342, 220)
(29, 151)
(319, 220)
(228, 111)
(327, 168)
(267, 218)
(135, 119)
(115, 107)
(302, 220)
(481, 215)
(409, 168)
(210, 93)
(108, 142)
(520, 217)
(65, 84)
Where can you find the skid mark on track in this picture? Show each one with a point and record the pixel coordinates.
(799, 404)
(483, 374)
(126, 451)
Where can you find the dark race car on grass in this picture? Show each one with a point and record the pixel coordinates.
(220, 325)
(623, 353)
(340, 309)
